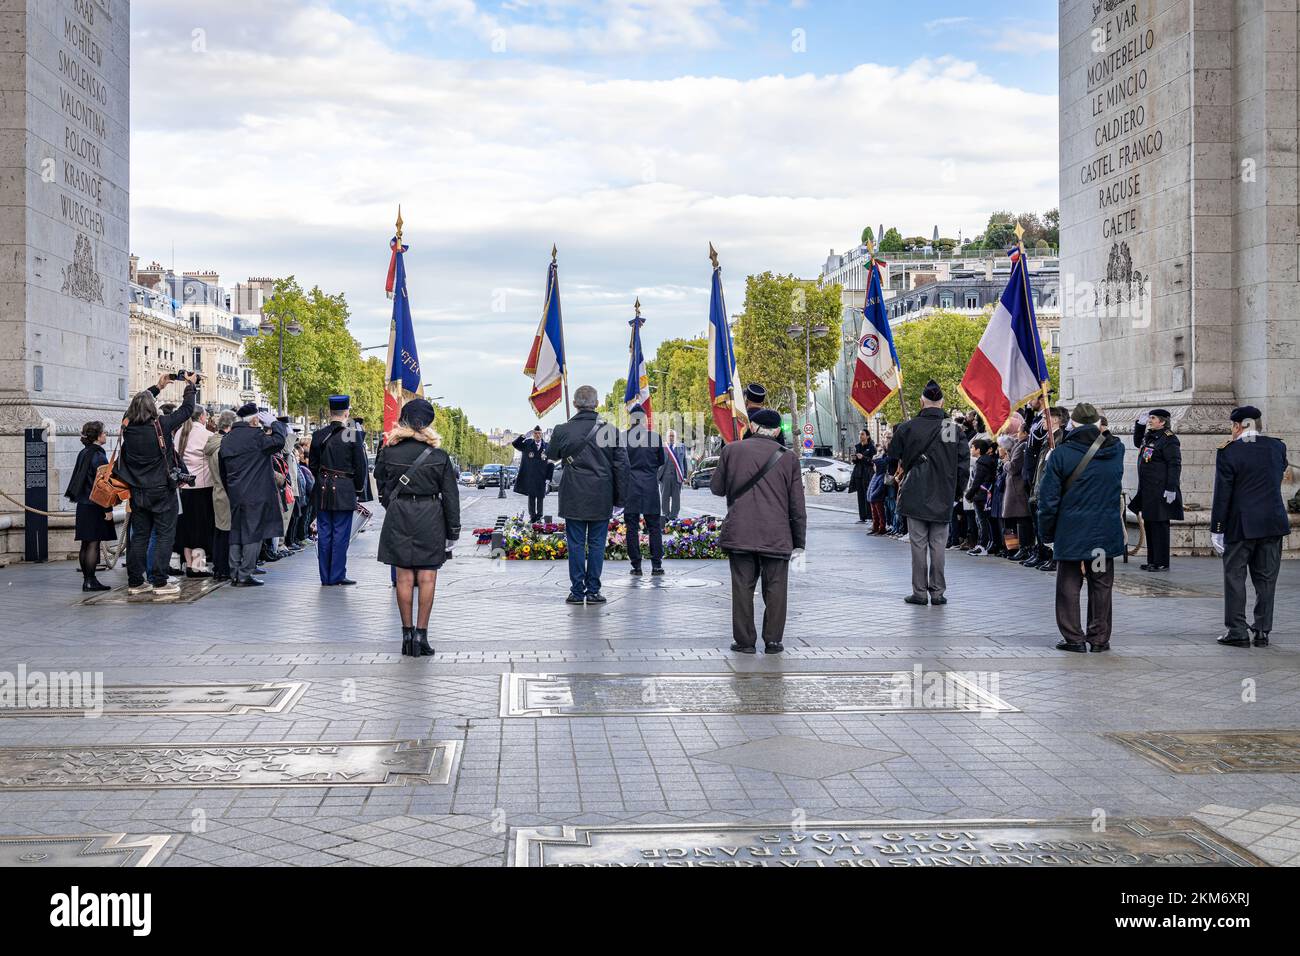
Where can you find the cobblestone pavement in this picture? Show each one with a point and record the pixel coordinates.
(1048, 759)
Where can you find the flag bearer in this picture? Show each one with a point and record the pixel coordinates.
(339, 463)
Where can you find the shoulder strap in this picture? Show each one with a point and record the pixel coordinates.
(1083, 463)
(938, 433)
(569, 459)
(406, 475)
(747, 486)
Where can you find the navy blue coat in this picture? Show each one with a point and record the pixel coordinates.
(645, 456)
(1160, 469)
(534, 470)
(249, 479)
(1248, 490)
(1089, 519)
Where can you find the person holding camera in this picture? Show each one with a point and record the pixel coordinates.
(148, 466)
(244, 461)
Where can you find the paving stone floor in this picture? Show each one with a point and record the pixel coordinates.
(1049, 759)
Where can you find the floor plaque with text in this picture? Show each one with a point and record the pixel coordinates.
(602, 695)
(947, 843)
(361, 763)
(191, 590)
(1218, 751)
(127, 700)
(85, 849)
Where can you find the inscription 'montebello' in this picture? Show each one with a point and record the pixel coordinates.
(1217, 751)
(360, 763)
(597, 695)
(885, 843)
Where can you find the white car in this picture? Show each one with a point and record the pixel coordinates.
(835, 474)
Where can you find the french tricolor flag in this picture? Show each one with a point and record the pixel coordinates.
(545, 363)
(877, 374)
(1008, 367)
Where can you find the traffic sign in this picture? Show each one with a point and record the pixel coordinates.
(807, 446)
(807, 428)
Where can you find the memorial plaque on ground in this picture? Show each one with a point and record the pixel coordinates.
(1155, 587)
(358, 763)
(85, 849)
(1218, 751)
(148, 699)
(880, 843)
(601, 695)
(191, 590)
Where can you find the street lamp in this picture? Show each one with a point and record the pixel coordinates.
(808, 332)
(280, 326)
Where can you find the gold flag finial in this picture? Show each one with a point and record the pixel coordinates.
(713, 255)
(871, 249)
(399, 223)
(1020, 233)
(638, 307)
(554, 252)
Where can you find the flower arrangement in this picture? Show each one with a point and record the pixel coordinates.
(689, 538)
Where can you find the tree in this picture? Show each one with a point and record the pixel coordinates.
(946, 245)
(1052, 227)
(915, 243)
(891, 241)
(868, 235)
(765, 352)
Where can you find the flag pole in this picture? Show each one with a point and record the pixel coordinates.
(1029, 308)
(564, 372)
(731, 357)
(871, 252)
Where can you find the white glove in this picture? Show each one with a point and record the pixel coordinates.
(796, 554)
(1216, 541)
(450, 544)
(1170, 496)
(1144, 418)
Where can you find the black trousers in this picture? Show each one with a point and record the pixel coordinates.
(1070, 576)
(152, 513)
(1158, 543)
(654, 526)
(536, 505)
(747, 569)
(864, 509)
(221, 553)
(1262, 557)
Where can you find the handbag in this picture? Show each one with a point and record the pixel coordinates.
(108, 492)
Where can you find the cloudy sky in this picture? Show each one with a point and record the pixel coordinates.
(276, 137)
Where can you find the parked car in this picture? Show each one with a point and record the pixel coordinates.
(835, 474)
(699, 478)
(490, 477)
(467, 477)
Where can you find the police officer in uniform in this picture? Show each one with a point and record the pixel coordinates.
(1159, 498)
(755, 398)
(339, 464)
(1248, 521)
(534, 471)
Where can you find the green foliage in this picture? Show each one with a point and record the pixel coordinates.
(465, 443)
(891, 241)
(765, 352)
(868, 235)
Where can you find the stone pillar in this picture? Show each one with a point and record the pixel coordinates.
(1179, 256)
(64, 211)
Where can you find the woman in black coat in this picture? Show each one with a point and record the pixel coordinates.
(1159, 498)
(421, 499)
(94, 524)
(534, 472)
(863, 452)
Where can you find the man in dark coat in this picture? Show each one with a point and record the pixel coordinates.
(935, 461)
(144, 463)
(594, 481)
(1159, 498)
(645, 456)
(1036, 452)
(534, 471)
(672, 474)
(766, 525)
(338, 462)
(1084, 525)
(1248, 521)
(248, 476)
(863, 454)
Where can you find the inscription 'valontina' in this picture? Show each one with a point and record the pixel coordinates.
(366, 763)
(883, 843)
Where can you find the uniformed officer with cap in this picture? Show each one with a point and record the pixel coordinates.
(1248, 521)
(1159, 497)
(755, 399)
(338, 461)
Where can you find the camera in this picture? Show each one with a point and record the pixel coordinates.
(182, 477)
(180, 376)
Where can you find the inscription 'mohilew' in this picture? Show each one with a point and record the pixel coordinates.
(885, 843)
(363, 763)
(1217, 751)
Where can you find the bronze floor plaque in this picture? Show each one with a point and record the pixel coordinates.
(1152, 586)
(146, 699)
(354, 763)
(85, 849)
(1218, 751)
(828, 692)
(191, 590)
(880, 843)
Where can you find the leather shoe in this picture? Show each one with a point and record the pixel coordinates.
(635, 572)
(742, 649)
(1099, 648)
(346, 582)
(938, 600)
(408, 638)
(1079, 648)
(1261, 637)
(1155, 567)
(596, 599)
(913, 599)
(573, 599)
(1048, 566)
(250, 583)
(656, 572)
(776, 647)
(1227, 640)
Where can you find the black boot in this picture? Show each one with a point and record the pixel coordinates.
(420, 646)
(92, 583)
(408, 641)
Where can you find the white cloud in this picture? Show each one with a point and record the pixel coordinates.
(287, 146)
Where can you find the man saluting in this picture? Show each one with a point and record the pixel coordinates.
(1248, 521)
(338, 461)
